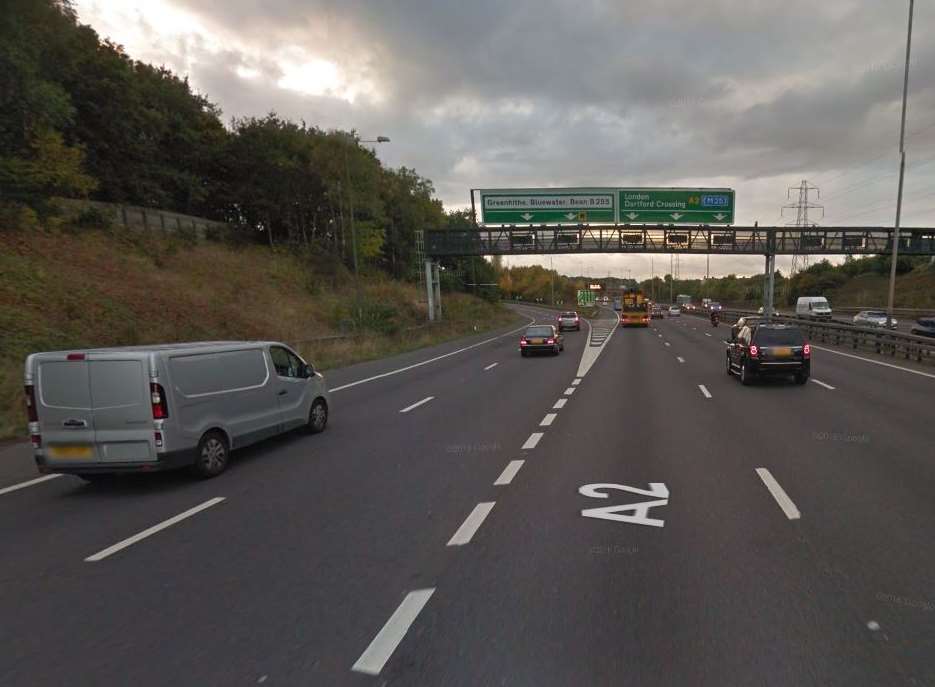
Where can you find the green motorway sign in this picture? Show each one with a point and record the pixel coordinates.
(675, 205)
(607, 206)
(548, 206)
(586, 297)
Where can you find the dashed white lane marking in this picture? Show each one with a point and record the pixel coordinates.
(820, 383)
(779, 494)
(119, 546)
(23, 485)
(704, 390)
(560, 403)
(509, 472)
(430, 360)
(384, 644)
(569, 391)
(667, 343)
(707, 334)
(548, 419)
(491, 366)
(680, 359)
(659, 335)
(532, 440)
(875, 362)
(417, 404)
(576, 382)
(473, 522)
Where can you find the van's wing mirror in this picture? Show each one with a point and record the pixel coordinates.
(309, 371)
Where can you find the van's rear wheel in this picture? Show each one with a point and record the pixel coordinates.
(213, 455)
(317, 416)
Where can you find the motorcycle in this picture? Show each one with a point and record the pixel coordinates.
(715, 319)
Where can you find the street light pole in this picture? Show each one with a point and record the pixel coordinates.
(350, 203)
(902, 170)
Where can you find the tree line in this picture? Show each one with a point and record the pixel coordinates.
(80, 118)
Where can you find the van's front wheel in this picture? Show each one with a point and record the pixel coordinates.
(317, 416)
(213, 455)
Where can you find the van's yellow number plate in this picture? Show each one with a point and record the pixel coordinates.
(70, 452)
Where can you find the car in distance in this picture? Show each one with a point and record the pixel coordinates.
(541, 338)
(813, 307)
(873, 318)
(675, 311)
(924, 326)
(569, 320)
(714, 306)
(656, 313)
(769, 349)
(146, 408)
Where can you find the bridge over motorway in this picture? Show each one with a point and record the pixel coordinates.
(698, 240)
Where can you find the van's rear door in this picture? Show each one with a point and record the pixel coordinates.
(120, 397)
(63, 400)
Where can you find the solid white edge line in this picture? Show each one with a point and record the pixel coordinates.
(569, 391)
(119, 546)
(430, 360)
(417, 404)
(819, 383)
(491, 366)
(23, 485)
(875, 362)
(782, 498)
(532, 440)
(704, 390)
(471, 524)
(548, 419)
(560, 403)
(680, 358)
(391, 634)
(509, 472)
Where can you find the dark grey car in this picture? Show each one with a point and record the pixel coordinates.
(541, 338)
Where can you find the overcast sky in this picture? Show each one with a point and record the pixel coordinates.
(755, 95)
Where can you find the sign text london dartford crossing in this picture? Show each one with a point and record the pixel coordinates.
(607, 206)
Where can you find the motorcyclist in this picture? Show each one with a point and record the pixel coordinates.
(715, 318)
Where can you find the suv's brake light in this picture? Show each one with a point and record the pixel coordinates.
(31, 411)
(158, 398)
(754, 351)
(807, 351)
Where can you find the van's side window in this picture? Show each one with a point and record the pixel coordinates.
(286, 363)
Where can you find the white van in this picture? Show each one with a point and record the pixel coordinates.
(143, 408)
(813, 307)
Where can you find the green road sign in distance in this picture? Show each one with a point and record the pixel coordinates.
(585, 297)
(548, 206)
(675, 205)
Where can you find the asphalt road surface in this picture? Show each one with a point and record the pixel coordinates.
(625, 513)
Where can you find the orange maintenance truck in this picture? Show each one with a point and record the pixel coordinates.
(635, 311)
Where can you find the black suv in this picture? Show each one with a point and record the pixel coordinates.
(764, 349)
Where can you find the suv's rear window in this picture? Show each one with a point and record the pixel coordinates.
(539, 331)
(569, 314)
(778, 337)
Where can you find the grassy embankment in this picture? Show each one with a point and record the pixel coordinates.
(73, 289)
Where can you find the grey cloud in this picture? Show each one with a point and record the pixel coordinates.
(754, 94)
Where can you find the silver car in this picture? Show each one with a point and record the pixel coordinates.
(675, 311)
(873, 318)
(146, 408)
(569, 320)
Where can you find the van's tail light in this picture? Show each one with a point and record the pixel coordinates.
(31, 411)
(806, 351)
(36, 440)
(754, 351)
(158, 397)
(523, 342)
(157, 439)
(551, 341)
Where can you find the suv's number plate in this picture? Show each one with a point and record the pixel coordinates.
(70, 452)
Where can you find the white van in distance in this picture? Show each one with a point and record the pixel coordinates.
(147, 408)
(813, 307)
